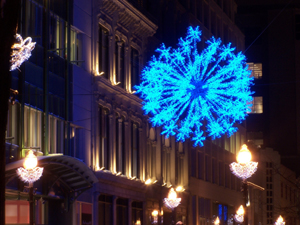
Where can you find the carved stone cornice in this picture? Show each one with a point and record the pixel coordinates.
(128, 17)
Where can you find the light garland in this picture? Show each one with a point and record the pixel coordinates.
(172, 201)
(21, 51)
(243, 171)
(30, 176)
(239, 216)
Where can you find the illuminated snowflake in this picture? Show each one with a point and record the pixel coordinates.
(21, 51)
(196, 95)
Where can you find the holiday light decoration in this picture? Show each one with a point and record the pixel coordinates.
(172, 201)
(154, 217)
(196, 95)
(21, 51)
(244, 168)
(30, 173)
(280, 221)
(239, 216)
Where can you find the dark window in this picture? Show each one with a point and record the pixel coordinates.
(200, 165)
(122, 211)
(104, 160)
(193, 162)
(137, 212)
(105, 210)
(103, 51)
(135, 150)
(135, 67)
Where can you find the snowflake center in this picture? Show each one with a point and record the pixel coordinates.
(200, 89)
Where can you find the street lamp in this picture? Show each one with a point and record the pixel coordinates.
(29, 174)
(279, 221)
(239, 216)
(243, 169)
(172, 201)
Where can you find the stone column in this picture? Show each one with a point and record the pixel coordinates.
(95, 207)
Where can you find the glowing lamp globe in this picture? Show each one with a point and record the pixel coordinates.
(172, 194)
(280, 221)
(30, 161)
(217, 221)
(244, 155)
(154, 213)
(240, 211)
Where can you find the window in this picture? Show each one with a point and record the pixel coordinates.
(56, 135)
(103, 51)
(135, 150)
(199, 10)
(32, 127)
(105, 212)
(200, 165)
(137, 212)
(35, 21)
(206, 15)
(151, 154)
(135, 68)
(257, 105)
(16, 212)
(256, 70)
(104, 159)
(12, 123)
(207, 168)
(120, 142)
(75, 47)
(214, 171)
(193, 162)
(221, 174)
(122, 211)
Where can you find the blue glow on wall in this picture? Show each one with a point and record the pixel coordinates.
(196, 95)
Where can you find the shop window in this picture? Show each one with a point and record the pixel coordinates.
(122, 211)
(137, 212)
(105, 212)
(16, 212)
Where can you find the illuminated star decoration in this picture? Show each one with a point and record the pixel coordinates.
(196, 95)
(21, 51)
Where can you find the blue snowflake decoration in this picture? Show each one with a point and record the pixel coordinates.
(194, 95)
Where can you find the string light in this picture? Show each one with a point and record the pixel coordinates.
(196, 95)
(21, 51)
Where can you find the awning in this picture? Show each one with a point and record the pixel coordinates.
(67, 172)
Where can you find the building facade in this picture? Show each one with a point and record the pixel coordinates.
(103, 161)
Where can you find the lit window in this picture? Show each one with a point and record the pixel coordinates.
(256, 70)
(257, 105)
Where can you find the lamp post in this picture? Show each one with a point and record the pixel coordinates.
(243, 169)
(29, 174)
(280, 221)
(172, 201)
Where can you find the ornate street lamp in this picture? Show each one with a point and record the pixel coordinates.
(172, 201)
(243, 169)
(29, 174)
(280, 221)
(239, 216)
